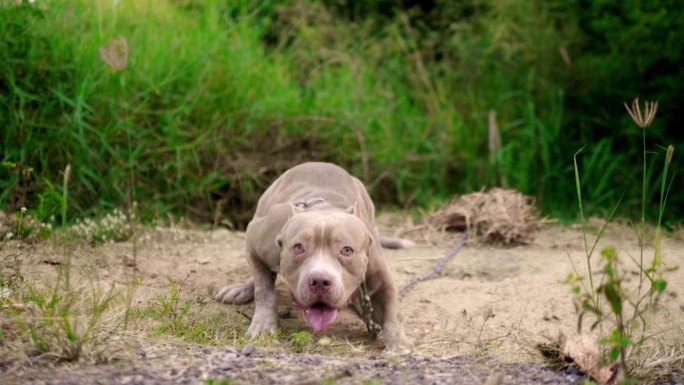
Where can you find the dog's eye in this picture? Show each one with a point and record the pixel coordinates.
(347, 251)
(298, 249)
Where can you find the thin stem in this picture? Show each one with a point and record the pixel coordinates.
(643, 211)
(65, 193)
(643, 186)
(584, 224)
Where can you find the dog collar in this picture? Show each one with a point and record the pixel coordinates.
(305, 204)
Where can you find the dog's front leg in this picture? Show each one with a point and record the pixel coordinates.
(386, 313)
(265, 315)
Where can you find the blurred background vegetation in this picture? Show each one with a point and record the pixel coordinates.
(420, 99)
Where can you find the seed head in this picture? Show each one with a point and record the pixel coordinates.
(116, 54)
(642, 120)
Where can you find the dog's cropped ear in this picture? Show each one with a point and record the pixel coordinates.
(354, 210)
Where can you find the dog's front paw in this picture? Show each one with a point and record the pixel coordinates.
(263, 323)
(236, 294)
(395, 339)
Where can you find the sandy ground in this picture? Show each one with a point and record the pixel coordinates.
(480, 318)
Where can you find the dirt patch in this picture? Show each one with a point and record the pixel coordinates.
(193, 364)
(481, 316)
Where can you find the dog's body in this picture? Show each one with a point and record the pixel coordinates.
(315, 226)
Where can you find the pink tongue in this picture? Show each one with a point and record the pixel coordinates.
(320, 317)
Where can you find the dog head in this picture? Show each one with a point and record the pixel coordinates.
(324, 255)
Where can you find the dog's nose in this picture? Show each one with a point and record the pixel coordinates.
(320, 284)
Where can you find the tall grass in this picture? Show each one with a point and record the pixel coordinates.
(621, 309)
(218, 98)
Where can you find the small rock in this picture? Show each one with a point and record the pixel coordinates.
(325, 341)
(224, 367)
(248, 350)
(128, 261)
(494, 379)
(221, 235)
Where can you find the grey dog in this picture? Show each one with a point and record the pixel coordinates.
(315, 226)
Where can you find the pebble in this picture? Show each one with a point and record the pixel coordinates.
(248, 350)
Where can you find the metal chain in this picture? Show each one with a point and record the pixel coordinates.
(367, 306)
(365, 301)
(439, 266)
(373, 327)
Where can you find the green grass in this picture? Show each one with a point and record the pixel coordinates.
(217, 98)
(182, 318)
(621, 309)
(213, 381)
(301, 341)
(58, 320)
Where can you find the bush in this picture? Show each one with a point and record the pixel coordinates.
(217, 98)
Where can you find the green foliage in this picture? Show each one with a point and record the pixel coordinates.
(371, 382)
(174, 314)
(11, 276)
(61, 322)
(215, 98)
(23, 225)
(112, 227)
(301, 341)
(184, 319)
(623, 326)
(213, 381)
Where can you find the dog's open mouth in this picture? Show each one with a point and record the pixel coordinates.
(319, 315)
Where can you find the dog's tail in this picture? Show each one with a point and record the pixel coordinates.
(395, 243)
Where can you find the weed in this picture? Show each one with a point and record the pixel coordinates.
(172, 311)
(61, 322)
(23, 225)
(181, 319)
(213, 381)
(54, 318)
(371, 382)
(621, 313)
(113, 227)
(485, 317)
(11, 276)
(301, 341)
(65, 193)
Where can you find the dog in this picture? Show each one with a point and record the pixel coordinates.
(315, 226)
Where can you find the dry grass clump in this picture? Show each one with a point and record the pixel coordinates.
(499, 215)
(659, 362)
